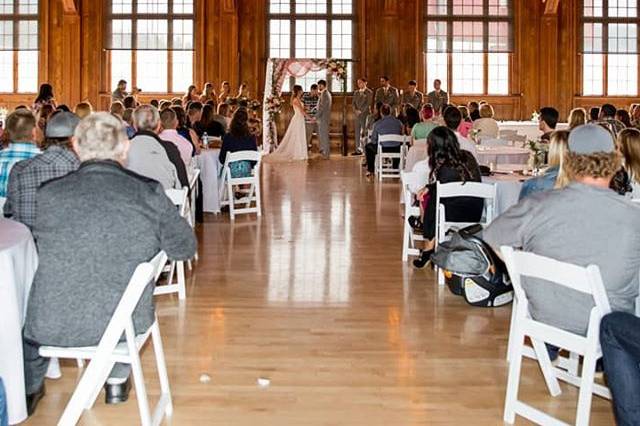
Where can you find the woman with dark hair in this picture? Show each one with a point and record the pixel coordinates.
(45, 97)
(239, 138)
(412, 117)
(448, 163)
(208, 124)
(623, 116)
(191, 95)
(184, 131)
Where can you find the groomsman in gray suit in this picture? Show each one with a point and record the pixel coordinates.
(412, 96)
(323, 118)
(362, 99)
(387, 94)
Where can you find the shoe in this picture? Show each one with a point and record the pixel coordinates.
(415, 223)
(425, 257)
(356, 153)
(33, 399)
(116, 394)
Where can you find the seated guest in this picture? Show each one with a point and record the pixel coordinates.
(239, 138)
(209, 125)
(83, 109)
(486, 125)
(585, 223)
(223, 115)
(466, 124)
(81, 276)
(422, 129)
(21, 130)
(117, 110)
(208, 93)
(411, 118)
(629, 146)
(547, 122)
(387, 125)
(623, 116)
(127, 117)
(620, 341)
(130, 102)
(152, 157)
(255, 127)
(448, 163)
(452, 119)
(635, 117)
(594, 115)
(191, 95)
(555, 176)
(474, 110)
(185, 131)
(57, 160)
(194, 114)
(608, 119)
(169, 133)
(577, 117)
(373, 118)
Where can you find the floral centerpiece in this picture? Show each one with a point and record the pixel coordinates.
(538, 156)
(474, 134)
(535, 116)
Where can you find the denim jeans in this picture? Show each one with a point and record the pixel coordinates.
(620, 340)
(4, 415)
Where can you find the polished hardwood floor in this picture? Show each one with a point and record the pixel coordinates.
(314, 297)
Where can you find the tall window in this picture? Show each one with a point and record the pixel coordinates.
(468, 43)
(18, 46)
(610, 47)
(151, 44)
(313, 29)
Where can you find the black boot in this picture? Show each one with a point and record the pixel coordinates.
(115, 394)
(425, 257)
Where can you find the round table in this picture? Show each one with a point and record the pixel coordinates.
(210, 166)
(18, 263)
(502, 155)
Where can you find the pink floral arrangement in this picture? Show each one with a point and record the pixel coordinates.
(274, 104)
(337, 68)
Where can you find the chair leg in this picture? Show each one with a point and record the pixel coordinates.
(162, 367)
(258, 197)
(547, 369)
(232, 201)
(513, 381)
(586, 385)
(182, 293)
(138, 377)
(574, 363)
(252, 190)
(512, 340)
(405, 241)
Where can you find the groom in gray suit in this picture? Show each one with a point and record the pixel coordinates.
(323, 118)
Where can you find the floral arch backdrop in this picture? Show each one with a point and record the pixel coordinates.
(277, 71)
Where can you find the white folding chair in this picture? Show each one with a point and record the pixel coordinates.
(409, 237)
(586, 280)
(385, 169)
(253, 195)
(485, 191)
(176, 267)
(110, 350)
(193, 190)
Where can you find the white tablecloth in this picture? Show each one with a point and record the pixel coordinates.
(507, 191)
(18, 264)
(210, 166)
(502, 155)
(527, 128)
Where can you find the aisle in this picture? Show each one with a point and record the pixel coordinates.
(314, 297)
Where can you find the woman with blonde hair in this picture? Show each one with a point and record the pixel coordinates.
(555, 177)
(208, 94)
(629, 146)
(83, 109)
(486, 125)
(577, 117)
(191, 95)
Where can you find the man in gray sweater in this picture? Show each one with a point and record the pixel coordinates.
(93, 227)
(583, 224)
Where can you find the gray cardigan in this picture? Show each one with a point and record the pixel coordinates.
(93, 227)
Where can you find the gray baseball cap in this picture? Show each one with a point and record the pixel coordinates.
(589, 139)
(61, 125)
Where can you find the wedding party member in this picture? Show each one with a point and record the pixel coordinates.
(447, 163)
(585, 223)
(239, 138)
(21, 128)
(120, 92)
(620, 341)
(594, 114)
(310, 101)
(486, 125)
(608, 118)
(323, 118)
(184, 130)
(208, 94)
(225, 92)
(243, 92)
(57, 160)
(191, 95)
(387, 125)
(555, 177)
(45, 97)
(438, 98)
(361, 103)
(412, 96)
(623, 116)
(577, 117)
(75, 291)
(293, 146)
(387, 94)
(169, 133)
(547, 122)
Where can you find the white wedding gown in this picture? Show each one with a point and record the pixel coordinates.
(293, 146)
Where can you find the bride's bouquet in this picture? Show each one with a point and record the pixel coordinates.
(274, 104)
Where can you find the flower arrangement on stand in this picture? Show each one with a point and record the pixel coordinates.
(274, 105)
(254, 105)
(538, 156)
(337, 68)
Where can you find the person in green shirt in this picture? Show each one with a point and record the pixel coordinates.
(422, 129)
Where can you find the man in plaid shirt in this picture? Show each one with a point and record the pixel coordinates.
(21, 126)
(57, 160)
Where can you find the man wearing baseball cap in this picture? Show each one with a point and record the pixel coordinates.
(585, 223)
(57, 160)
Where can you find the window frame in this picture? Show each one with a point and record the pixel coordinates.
(605, 20)
(15, 18)
(293, 16)
(449, 19)
(134, 17)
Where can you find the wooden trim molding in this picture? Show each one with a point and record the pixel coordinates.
(70, 7)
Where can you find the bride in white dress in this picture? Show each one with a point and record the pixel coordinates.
(293, 146)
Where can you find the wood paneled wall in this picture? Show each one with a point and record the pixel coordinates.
(231, 45)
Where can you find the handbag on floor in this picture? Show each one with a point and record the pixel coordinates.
(472, 269)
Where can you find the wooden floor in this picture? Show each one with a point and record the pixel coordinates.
(314, 297)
